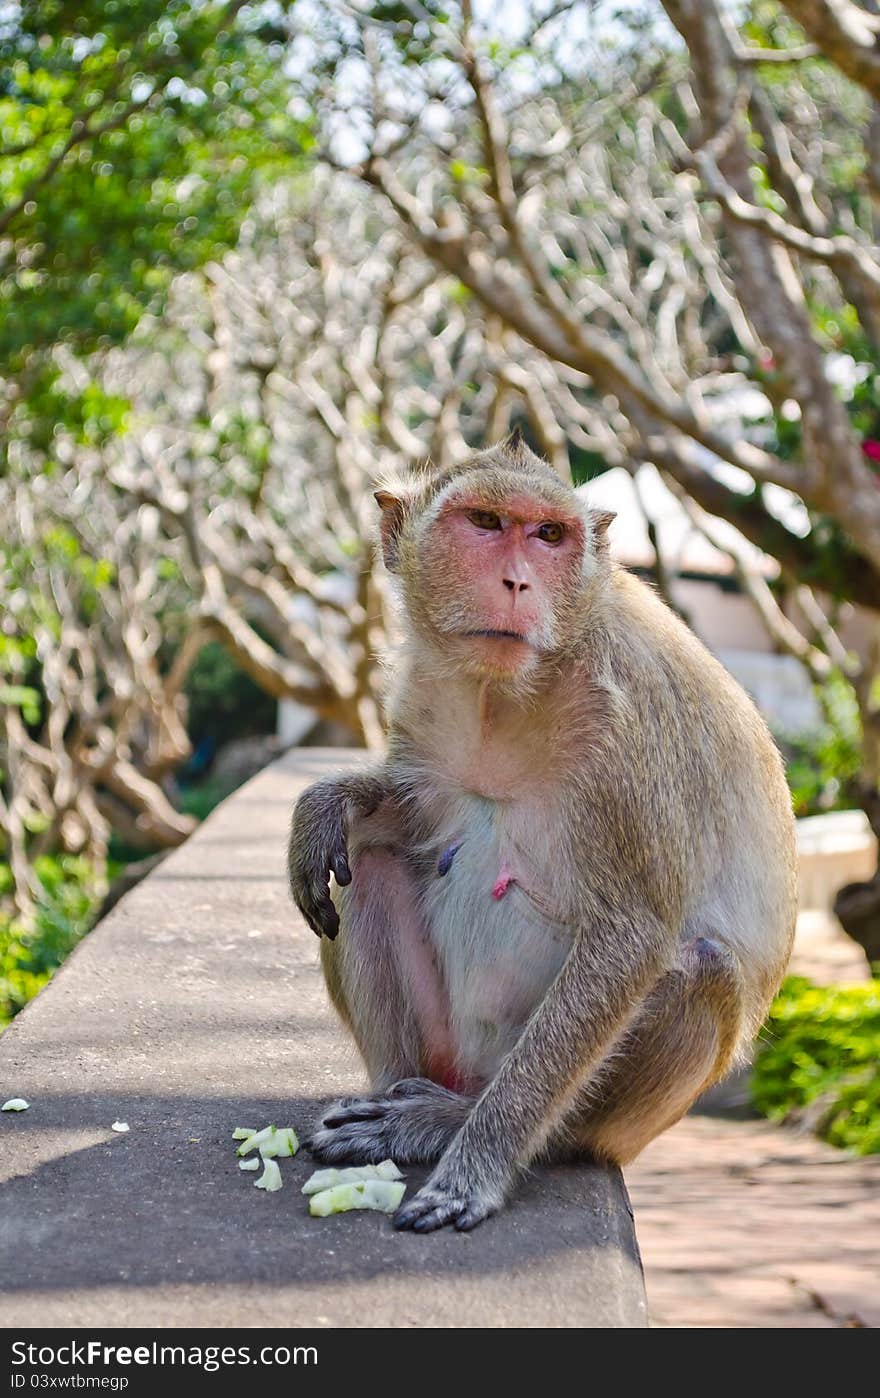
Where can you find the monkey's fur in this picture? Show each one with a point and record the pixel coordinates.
(566, 898)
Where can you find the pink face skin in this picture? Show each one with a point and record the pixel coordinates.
(513, 564)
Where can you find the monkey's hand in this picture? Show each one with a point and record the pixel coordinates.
(318, 844)
(459, 1192)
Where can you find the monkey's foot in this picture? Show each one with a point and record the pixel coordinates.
(447, 1198)
(412, 1124)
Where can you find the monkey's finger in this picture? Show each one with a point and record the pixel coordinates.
(339, 868)
(305, 904)
(313, 926)
(318, 909)
(329, 918)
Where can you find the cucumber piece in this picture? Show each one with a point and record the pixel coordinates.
(274, 1140)
(285, 1142)
(352, 1174)
(258, 1139)
(270, 1179)
(381, 1195)
(15, 1104)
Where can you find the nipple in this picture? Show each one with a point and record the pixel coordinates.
(445, 862)
(505, 878)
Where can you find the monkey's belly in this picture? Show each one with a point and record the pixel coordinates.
(497, 944)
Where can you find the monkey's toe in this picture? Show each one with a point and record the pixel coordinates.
(355, 1109)
(356, 1143)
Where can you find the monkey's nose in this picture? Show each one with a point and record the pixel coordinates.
(513, 585)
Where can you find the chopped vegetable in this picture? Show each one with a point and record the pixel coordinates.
(382, 1195)
(15, 1104)
(241, 1133)
(120, 1126)
(286, 1142)
(250, 1164)
(280, 1140)
(353, 1174)
(270, 1179)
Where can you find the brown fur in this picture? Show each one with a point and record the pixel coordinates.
(619, 907)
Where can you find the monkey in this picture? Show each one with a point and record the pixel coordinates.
(563, 901)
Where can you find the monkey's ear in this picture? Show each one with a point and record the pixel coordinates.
(601, 521)
(393, 515)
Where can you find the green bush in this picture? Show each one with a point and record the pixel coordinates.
(223, 702)
(29, 958)
(200, 800)
(821, 1061)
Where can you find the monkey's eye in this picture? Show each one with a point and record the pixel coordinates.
(484, 519)
(550, 532)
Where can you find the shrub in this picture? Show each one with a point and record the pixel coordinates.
(820, 1062)
(29, 958)
(223, 702)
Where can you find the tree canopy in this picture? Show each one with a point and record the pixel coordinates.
(131, 138)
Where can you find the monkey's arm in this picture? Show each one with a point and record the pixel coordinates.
(615, 961)
(318, 841)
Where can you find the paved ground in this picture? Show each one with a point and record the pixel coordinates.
(196, 1006)
(824, 952)
(743, 1224)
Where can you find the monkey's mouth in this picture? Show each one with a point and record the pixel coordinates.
(494, 635)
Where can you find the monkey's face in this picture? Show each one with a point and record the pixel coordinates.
(501, 574)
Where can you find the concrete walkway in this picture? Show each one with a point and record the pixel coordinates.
(196, 1006)
(746, 1224)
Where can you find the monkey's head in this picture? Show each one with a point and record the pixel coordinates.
(497, 559)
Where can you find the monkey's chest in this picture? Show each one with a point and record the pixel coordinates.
(496, 916)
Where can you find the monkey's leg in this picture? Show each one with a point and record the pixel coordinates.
(682, 1041)
(586, 1013)
(384, 982)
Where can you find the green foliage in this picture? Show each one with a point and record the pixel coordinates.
(23, 697)
(201, 800)
(131, 135)
(822, 766)
(29, 958)
(224, 702)
(822, 1059)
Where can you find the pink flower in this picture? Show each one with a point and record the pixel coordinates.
(871, 448)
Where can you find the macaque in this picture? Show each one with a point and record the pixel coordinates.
(562, 903)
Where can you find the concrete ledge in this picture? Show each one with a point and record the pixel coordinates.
(833, 850)
(197, 1005)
